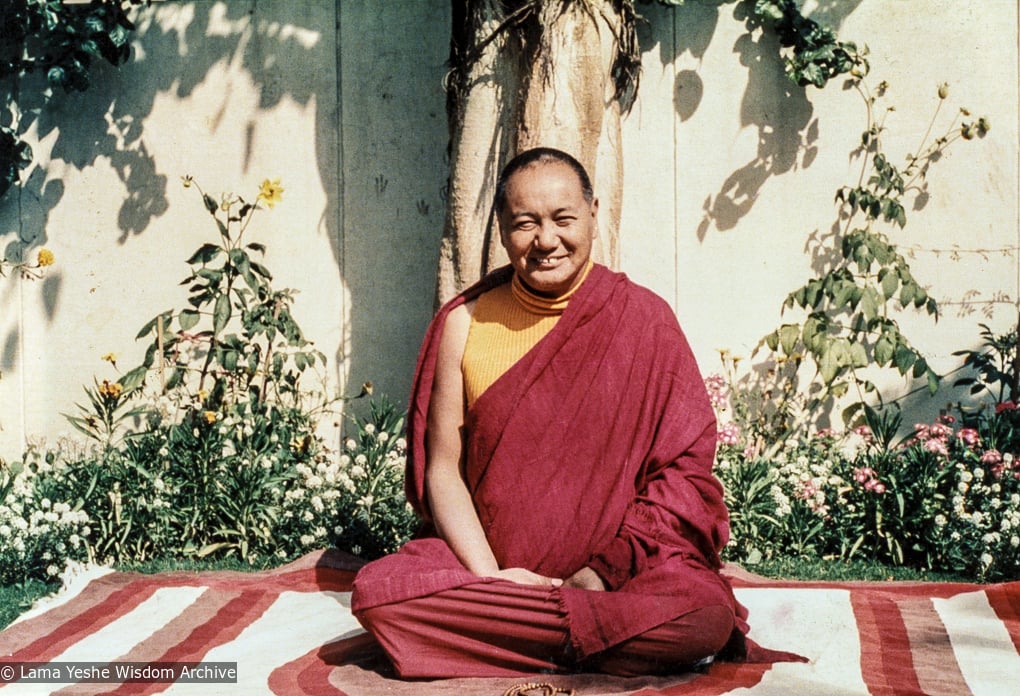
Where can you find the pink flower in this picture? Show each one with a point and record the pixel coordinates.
(864, 474)
(826, 434)
(946, 419)
(867, 477)
(806, 490)
(936, 446)
(1005, 406)
(715, 382)
(969, 436)
(729, 434)
(940, 430)
(864, 431)
(992, 456)
(716, 387)
(921, 431)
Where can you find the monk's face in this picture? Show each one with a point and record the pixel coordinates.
(547, 227)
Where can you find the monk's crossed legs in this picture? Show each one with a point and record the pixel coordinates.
(495, 629)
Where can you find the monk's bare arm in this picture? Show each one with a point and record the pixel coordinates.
(453, 511)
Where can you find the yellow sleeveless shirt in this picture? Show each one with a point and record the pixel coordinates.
(507, 322)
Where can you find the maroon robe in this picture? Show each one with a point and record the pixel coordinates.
(595, 449)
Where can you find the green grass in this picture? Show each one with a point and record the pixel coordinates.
(837, 570)
(18, 598)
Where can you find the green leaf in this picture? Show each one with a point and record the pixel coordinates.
(213, 548)
(211, 274)
(210, 204)
(920, 366)
(843, 293)
(205, 253)
(904, 358)
(828, 364)
(239, 258)
(884, 350)
(890, 282)
(870, 303)
(789, 334)
(261, 270)
(858, 355)
(187, 319)
(908, 293)
(133, 378)
(221, 313)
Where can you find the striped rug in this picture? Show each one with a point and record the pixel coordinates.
(290, 631)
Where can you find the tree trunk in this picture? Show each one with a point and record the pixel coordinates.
(527, 74)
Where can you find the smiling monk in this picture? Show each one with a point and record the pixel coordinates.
(561, 452)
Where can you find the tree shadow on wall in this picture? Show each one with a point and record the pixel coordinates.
(174, 48)
(779, 110)
(288, 52)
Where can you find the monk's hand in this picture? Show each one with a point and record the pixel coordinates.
(524, 576)
(586, 579)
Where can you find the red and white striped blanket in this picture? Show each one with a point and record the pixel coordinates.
(290, 631)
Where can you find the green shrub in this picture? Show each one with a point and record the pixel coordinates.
(944, 500)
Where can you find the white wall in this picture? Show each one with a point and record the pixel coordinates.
(344, 103)
(737, 169)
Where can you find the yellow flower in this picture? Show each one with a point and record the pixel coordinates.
(187, 181)
(271, 192)
(110, 390)
(210, 417)
(110, 358)
(45, 257)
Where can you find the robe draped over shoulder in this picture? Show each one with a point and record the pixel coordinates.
(595, 449)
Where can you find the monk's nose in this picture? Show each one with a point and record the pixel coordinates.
(547, 238)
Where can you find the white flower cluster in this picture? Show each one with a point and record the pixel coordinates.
(337, 485)
(35, 529)
(808, 479)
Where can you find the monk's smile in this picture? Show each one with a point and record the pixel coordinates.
(547, 227)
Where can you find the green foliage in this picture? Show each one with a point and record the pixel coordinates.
(851, 304)
(60, 41)
(815, 56)
(237, 340)
(997, 365)
(210, 449)
(258, 486)
(948, 500)
(40, 532)
(107, 413)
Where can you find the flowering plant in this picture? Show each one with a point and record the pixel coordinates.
(237, 340)
(945, 498)
(39, 531)
(32, 270)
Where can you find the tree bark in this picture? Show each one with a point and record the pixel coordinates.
(526, 74)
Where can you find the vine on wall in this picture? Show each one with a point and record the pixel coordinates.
(850, 307)
(61, 42)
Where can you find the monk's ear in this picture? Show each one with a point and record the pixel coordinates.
(595, 217)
